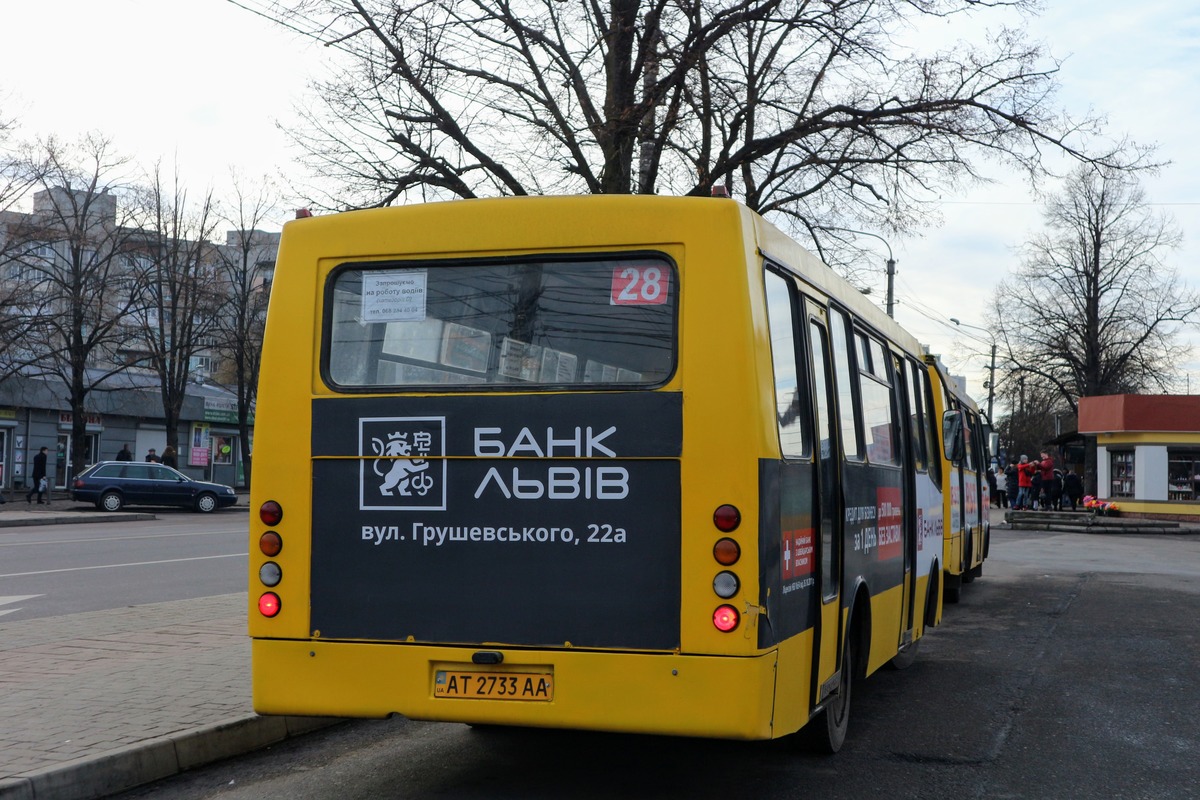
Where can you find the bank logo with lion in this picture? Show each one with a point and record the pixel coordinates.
(400, 469)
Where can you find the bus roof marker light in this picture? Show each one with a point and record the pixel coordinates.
(727, 518)
(726, 618)
(271, 513)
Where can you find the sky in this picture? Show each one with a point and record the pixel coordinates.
(206, 85)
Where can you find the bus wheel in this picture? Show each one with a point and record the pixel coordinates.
(953, 588)
(827, 731)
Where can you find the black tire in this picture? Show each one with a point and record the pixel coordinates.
(953, 588)
(111, 501)
(826, 732)
(206, 503)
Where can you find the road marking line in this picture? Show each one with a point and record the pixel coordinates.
(16, 598)
(116, 566)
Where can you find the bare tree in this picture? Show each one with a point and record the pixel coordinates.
(823, 113)
(176, 276)
(75, 249)
(246, 264)
(1093, 309)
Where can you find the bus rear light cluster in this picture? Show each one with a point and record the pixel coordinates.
(270, 544)
(726, 552)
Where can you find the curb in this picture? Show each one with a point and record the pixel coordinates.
(53, 518)
(154, 759)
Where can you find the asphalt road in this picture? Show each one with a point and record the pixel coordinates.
(1068, 671)
(64, 569)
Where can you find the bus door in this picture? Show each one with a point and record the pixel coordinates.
(802, 491)
(829, 542)
(976, 493)
(953, 436)
(909, 494)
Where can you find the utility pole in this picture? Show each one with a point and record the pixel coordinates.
(991, 384)
(891, 267)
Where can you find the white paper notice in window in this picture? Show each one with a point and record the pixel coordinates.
(393, 296)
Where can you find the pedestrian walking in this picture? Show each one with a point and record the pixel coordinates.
(38, 479)
(125, 454)
(169, 458)
(152, 456)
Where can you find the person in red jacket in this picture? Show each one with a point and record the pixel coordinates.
(1025, 472)
(1046, 467)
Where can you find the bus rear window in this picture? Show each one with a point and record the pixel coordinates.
(539, 323)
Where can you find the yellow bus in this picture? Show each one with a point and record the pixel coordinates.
(620, 463)
(967, 496)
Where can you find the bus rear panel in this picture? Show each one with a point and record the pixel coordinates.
(519, 463)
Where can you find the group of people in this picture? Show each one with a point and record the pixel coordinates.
(168, 456)
(1035, 485)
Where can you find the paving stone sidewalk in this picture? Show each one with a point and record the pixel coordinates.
(98, 702)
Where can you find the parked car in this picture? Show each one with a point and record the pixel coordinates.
(114, 484)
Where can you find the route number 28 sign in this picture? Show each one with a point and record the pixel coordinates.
(642, 285)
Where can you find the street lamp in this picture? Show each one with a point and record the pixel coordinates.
(992, 369)
(891, 266)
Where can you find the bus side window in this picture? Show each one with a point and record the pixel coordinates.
(875, 391)
(916, 415)
(790, 405)
(952, 435)
(851, 441)
(969, 440)
(924, 388)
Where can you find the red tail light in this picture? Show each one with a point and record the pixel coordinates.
(727, 518)
(271, 513)
(268, 604)
(726, 618)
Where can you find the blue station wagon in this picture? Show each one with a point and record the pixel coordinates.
(114, 484)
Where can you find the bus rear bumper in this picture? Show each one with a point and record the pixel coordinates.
(679, 695)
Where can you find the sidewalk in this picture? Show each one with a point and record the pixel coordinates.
(99, 702)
